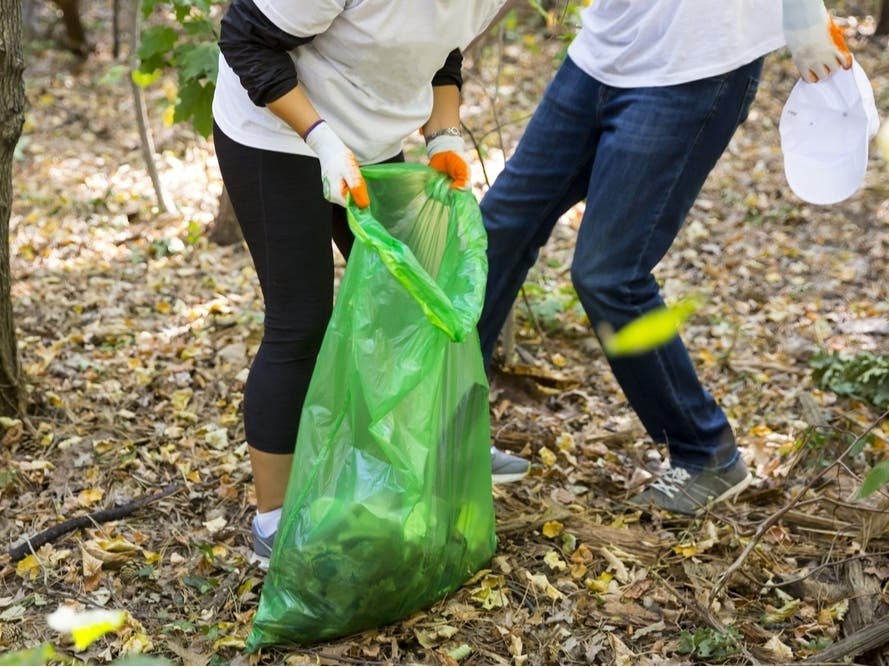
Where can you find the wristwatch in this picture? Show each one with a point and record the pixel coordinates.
(445, 131)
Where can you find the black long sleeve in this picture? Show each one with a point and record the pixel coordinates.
(451, 73)
(257, 50)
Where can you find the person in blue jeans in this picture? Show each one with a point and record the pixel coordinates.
(633, 122)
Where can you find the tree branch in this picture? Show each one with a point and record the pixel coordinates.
(52, 533)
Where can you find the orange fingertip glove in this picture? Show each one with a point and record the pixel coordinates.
(358, 193)
(446, 155)
(454, 166)
(814, 40)
(340, 173)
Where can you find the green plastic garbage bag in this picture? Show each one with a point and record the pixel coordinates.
(389, 506)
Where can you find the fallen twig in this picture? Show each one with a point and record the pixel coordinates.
(868, 638)
(54, 532)
(773, 519)
(835, 563)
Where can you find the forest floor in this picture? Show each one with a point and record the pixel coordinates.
(136, 332)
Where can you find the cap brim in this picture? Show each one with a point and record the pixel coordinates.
(821, 181)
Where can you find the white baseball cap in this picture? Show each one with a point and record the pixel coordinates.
(825, 130)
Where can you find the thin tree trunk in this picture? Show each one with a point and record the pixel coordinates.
(883, 22)
(225, 229)
(12, 116)
(164, 203)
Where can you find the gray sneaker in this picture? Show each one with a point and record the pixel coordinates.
(507, 467)
(262, 547)
(684, 492)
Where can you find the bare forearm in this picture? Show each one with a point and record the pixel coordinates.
(445, 109)
(295, 109)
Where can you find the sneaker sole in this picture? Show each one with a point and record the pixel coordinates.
(506, 478)
(261, 561)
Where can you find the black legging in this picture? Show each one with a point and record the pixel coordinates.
(288, 226)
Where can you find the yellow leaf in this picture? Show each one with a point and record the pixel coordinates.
(490, 594)
(600, 583)
(85, 627)
(28, 567)
(138, 643)
(89, 497)
(171, 90)
(760, 430)
(228, 642)
(554, 562)
(180, 398)
(565, 442)
(151, 557)
(686, 550)
(117, 545)
(547, 456)
(168, 115)
(552, 529)
(649, 331)
(541, 583)
(775, 616)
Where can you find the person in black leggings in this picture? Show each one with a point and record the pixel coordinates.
(288, 231)
(307, 91)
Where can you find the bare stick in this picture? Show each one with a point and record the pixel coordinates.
(773, 519)
(868, 638)
(164, 203)
(52, 533)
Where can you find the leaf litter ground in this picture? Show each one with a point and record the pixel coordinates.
(135, 334)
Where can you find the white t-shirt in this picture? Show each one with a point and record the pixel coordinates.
(640, 43)
(368, 71)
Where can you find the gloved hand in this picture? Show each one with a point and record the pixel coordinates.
(340, 174)
(446, 155)
(814, 40)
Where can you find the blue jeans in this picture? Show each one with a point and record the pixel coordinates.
(639, 158)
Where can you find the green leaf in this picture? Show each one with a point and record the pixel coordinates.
(195, 102)
(203, 586)
(155, 45)
(145, 79)
(201, 27)
(877, 477)
(113, 75)
(198, 61)
(649, 331)
(38, 655)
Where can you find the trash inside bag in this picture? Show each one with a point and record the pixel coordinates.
(389, 506)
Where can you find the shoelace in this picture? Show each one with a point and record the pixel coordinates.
(670, 482)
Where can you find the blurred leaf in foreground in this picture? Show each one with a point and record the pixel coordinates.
(86, 627)
(648, 331)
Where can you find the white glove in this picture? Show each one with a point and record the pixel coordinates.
(340, 174)
(814, 40)
(446, 155)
